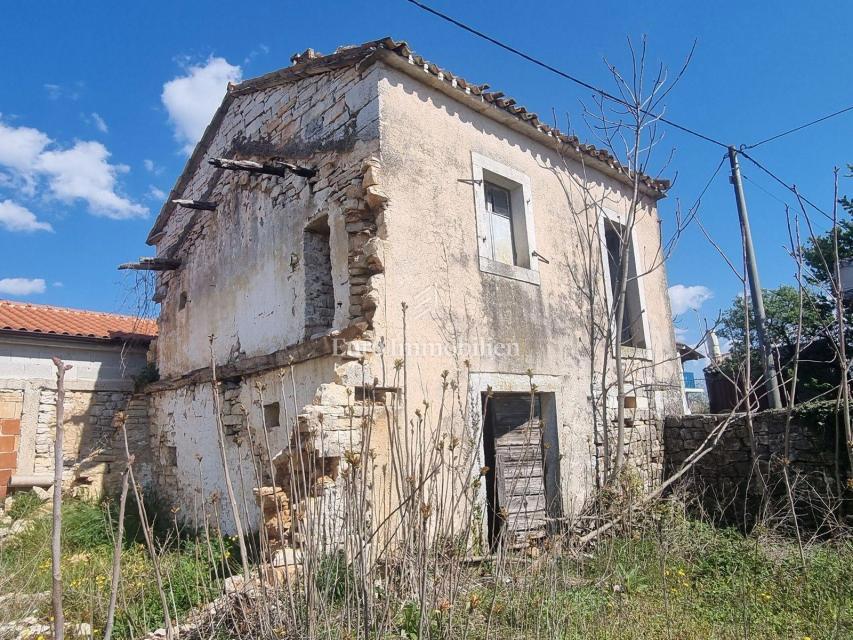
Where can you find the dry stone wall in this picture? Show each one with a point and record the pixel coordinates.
(741, 475)
(93, 447)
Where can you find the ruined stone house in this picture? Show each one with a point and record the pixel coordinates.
(106, 353)
(382, 180)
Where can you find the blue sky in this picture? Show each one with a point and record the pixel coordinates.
(94, 129)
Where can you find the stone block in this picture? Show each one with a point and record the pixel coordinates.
(333, 394)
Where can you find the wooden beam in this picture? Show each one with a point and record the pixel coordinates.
(255, 365)
(200, 205)
(152, 264)
(270, 167)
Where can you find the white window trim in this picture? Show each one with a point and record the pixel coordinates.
(522, 200)
(636, 353)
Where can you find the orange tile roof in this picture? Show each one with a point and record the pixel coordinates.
(22, 317)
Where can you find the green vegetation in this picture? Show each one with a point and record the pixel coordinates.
(695, 582)
(819, 373)
(664, 577)
(24, 505)
(192, 568)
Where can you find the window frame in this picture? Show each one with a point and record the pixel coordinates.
(629, 350)
(526, 267)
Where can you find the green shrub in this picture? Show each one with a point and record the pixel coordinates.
(25, 504)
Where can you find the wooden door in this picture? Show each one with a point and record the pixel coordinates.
(519, 502)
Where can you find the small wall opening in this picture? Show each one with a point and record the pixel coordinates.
(271, 415)
(319, 288)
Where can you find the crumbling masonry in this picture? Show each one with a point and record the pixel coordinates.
(294, 285)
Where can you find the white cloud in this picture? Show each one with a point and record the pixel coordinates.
(682, 298)
(192, 99)
(14, 217)
(81, 172)
(21, 286)
(152, 167)
(20, 147)
(156, 194)
(99, 123)
(260, 50)
(57, 91)
(53, 90)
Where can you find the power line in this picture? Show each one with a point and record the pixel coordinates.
(693, 211)
(618, 100)
(790, 188)
(560, 73)
(800, 128)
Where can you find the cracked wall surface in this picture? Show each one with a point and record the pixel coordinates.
(395, 186)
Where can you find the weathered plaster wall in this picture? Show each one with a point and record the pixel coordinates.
(243, 281)
(242, 278)
(185, 441)
(457, 312)
(104, 364)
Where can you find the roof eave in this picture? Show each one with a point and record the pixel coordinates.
(479, 104)
(117, 339)
(366, 55)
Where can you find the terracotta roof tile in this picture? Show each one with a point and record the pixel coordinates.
(22, 317)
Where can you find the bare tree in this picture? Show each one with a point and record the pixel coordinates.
(56, 538)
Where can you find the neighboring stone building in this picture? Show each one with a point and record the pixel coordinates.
(106, 352)
(407, 185)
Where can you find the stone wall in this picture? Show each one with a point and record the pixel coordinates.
(319, 288)
(245, 270)
(93, 446)
(738, 482)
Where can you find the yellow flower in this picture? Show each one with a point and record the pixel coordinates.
(681, 572)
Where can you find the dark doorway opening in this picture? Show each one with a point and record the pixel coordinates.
(521, 452)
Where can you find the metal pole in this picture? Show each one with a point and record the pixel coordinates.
(770, 381)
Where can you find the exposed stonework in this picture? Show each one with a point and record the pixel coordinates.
(319, 290)
(93, 447)
(734, 484)
(392, 147)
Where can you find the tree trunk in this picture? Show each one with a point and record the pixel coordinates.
(56, 538)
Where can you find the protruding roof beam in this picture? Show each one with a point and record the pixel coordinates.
(270, 167)
(200, 205)
(152, 264)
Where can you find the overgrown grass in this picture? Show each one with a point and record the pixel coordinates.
(192, 566)
(690, 581)
(24, 505)
(686, 581)
(670, 578)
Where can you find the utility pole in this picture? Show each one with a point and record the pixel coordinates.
(767, 360)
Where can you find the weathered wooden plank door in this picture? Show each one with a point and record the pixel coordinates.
(519, 496)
